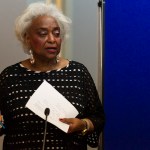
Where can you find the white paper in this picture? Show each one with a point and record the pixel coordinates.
(46, 96)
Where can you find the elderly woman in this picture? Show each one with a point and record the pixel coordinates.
(41, 29)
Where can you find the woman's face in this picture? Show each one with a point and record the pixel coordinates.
(44, 38)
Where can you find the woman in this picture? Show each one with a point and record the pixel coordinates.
(41, 29)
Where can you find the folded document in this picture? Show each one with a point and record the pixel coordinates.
(46, 96)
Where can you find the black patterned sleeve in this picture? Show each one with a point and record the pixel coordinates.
(2, 93)
(94, 109)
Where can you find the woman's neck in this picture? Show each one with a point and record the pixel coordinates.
(45, 66)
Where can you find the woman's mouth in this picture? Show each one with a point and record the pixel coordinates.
(51, 49)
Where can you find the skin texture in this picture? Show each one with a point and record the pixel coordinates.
(44, 39)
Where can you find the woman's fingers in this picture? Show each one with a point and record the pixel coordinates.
(75, 124)
(66, 120)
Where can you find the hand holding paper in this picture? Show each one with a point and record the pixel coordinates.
(46, 96)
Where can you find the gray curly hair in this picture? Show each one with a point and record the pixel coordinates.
(34, 10)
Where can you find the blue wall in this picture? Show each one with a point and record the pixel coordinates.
(127, 75)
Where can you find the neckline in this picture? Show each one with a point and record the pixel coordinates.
(56, 70)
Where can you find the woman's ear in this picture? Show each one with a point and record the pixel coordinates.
(27, 40)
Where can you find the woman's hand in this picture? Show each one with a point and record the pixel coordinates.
(75, 124)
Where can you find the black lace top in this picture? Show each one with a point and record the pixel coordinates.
(24, 129)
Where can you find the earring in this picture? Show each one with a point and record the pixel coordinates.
(57, 59)
(32, 60)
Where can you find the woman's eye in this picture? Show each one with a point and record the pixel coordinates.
(42, 33)
(56, 33)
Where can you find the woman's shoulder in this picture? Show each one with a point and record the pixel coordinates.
(10, 68)
(78, 65)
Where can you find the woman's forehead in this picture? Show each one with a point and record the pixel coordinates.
(44, 21)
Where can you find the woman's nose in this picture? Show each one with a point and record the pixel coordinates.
(51, 38)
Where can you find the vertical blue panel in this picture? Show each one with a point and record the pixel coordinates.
(127, 75)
